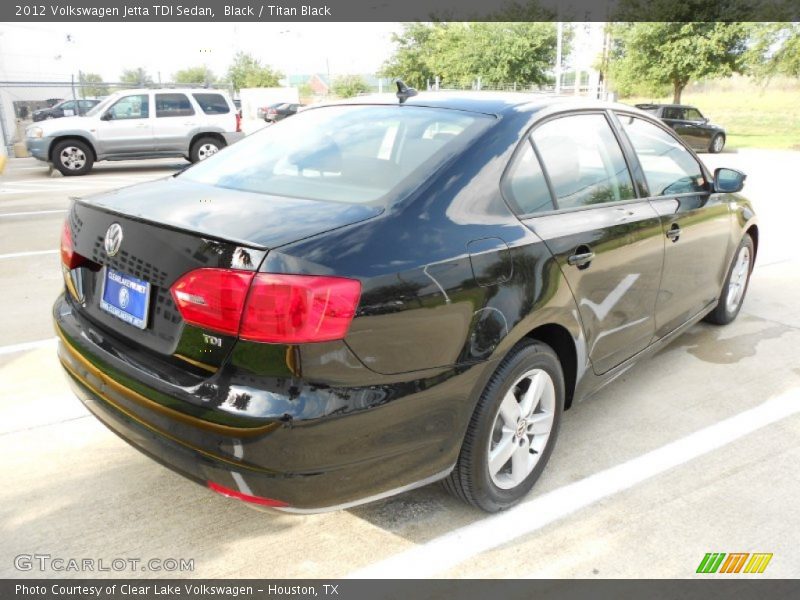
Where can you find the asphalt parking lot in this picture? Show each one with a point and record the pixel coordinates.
(693, 451)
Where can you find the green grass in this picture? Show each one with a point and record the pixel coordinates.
(753, 116)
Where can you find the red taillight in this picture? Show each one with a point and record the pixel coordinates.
(69, 258)
(212, 298)
(238, 123)
(221, 489)
(280, 309)
(294, 309)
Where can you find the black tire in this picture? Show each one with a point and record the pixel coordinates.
(471, 480)
(199, 150)
(717, 143)
(724, 312)
(72, 157)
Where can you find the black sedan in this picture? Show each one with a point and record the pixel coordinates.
(695, 129)
(375, 295)
(67, 108)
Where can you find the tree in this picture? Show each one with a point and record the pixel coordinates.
(651, 57)
(92, 85)
(460, 53)
(138, 77)
(347, 86)
(774, 50)
(247, 71)
(200, 74)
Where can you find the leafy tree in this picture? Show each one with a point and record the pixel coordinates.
(247, 71)
(92, 85)
(459, 53)
(651, 57)
(200, 74)
(774, 50)
(347, 86)
(137, 76)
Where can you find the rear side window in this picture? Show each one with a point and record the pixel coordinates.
(672, 112)
(173, 105)
(354, 154)
(583, 161)
(212, 104)
(668, 166)
(524, 184)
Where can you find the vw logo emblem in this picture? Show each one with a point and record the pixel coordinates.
(113, 239)
(124, 297)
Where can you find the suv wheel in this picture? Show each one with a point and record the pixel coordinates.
(512, 431)
(73, 157)
(205, 147)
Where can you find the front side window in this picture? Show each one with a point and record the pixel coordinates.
(692, 114)
(583, 161)
(524, 184)
(353, 154)
(130, 107)
(668, 166)
(173, 105)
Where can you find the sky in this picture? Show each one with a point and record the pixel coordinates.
(44, 50)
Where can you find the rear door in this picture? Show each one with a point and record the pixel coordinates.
(608, 243)
(695, 223)
(175, 119)
(127, 127)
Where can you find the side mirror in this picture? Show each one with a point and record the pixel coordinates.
(728, 181)
(706, 119)
(107, 116)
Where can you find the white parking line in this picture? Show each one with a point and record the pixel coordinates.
(451, 549)
(32, 213)
(23, 254)
(25, 346)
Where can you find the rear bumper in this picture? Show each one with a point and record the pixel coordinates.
(232, 137)
(311, 465)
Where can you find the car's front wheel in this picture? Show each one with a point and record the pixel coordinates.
(205, 147)
(732, 295)
(717, 144)
(73, 157)
(513, 430)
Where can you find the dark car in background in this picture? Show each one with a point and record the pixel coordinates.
(66, 108)
(379, 295)
(689, 123)
(279, 111)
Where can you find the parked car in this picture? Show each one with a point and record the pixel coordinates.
(279, 111)
(133, 124)
(375, 296)
(67, 108)
(695, 129)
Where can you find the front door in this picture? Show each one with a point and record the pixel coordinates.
(607, 242)
(126, 127)
(695, 223)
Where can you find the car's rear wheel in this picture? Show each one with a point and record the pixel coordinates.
(73, 157)
(513, 430)
(732, 296)
(205, 147)
(717, 144)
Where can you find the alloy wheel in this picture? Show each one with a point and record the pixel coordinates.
(738, 280)
(73, 158)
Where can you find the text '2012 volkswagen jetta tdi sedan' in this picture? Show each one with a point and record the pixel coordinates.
(376, 295)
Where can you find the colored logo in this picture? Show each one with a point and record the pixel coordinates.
(736, 562)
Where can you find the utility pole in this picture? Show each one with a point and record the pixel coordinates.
(559, 36)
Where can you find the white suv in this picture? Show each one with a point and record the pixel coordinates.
(192, 123)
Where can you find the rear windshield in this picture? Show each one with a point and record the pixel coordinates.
(356, 154)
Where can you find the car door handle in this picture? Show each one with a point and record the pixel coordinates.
(582, 260)
(674, 232)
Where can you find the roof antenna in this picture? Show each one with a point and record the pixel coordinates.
(403, 91)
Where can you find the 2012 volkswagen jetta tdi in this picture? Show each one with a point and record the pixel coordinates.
(372, 296)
